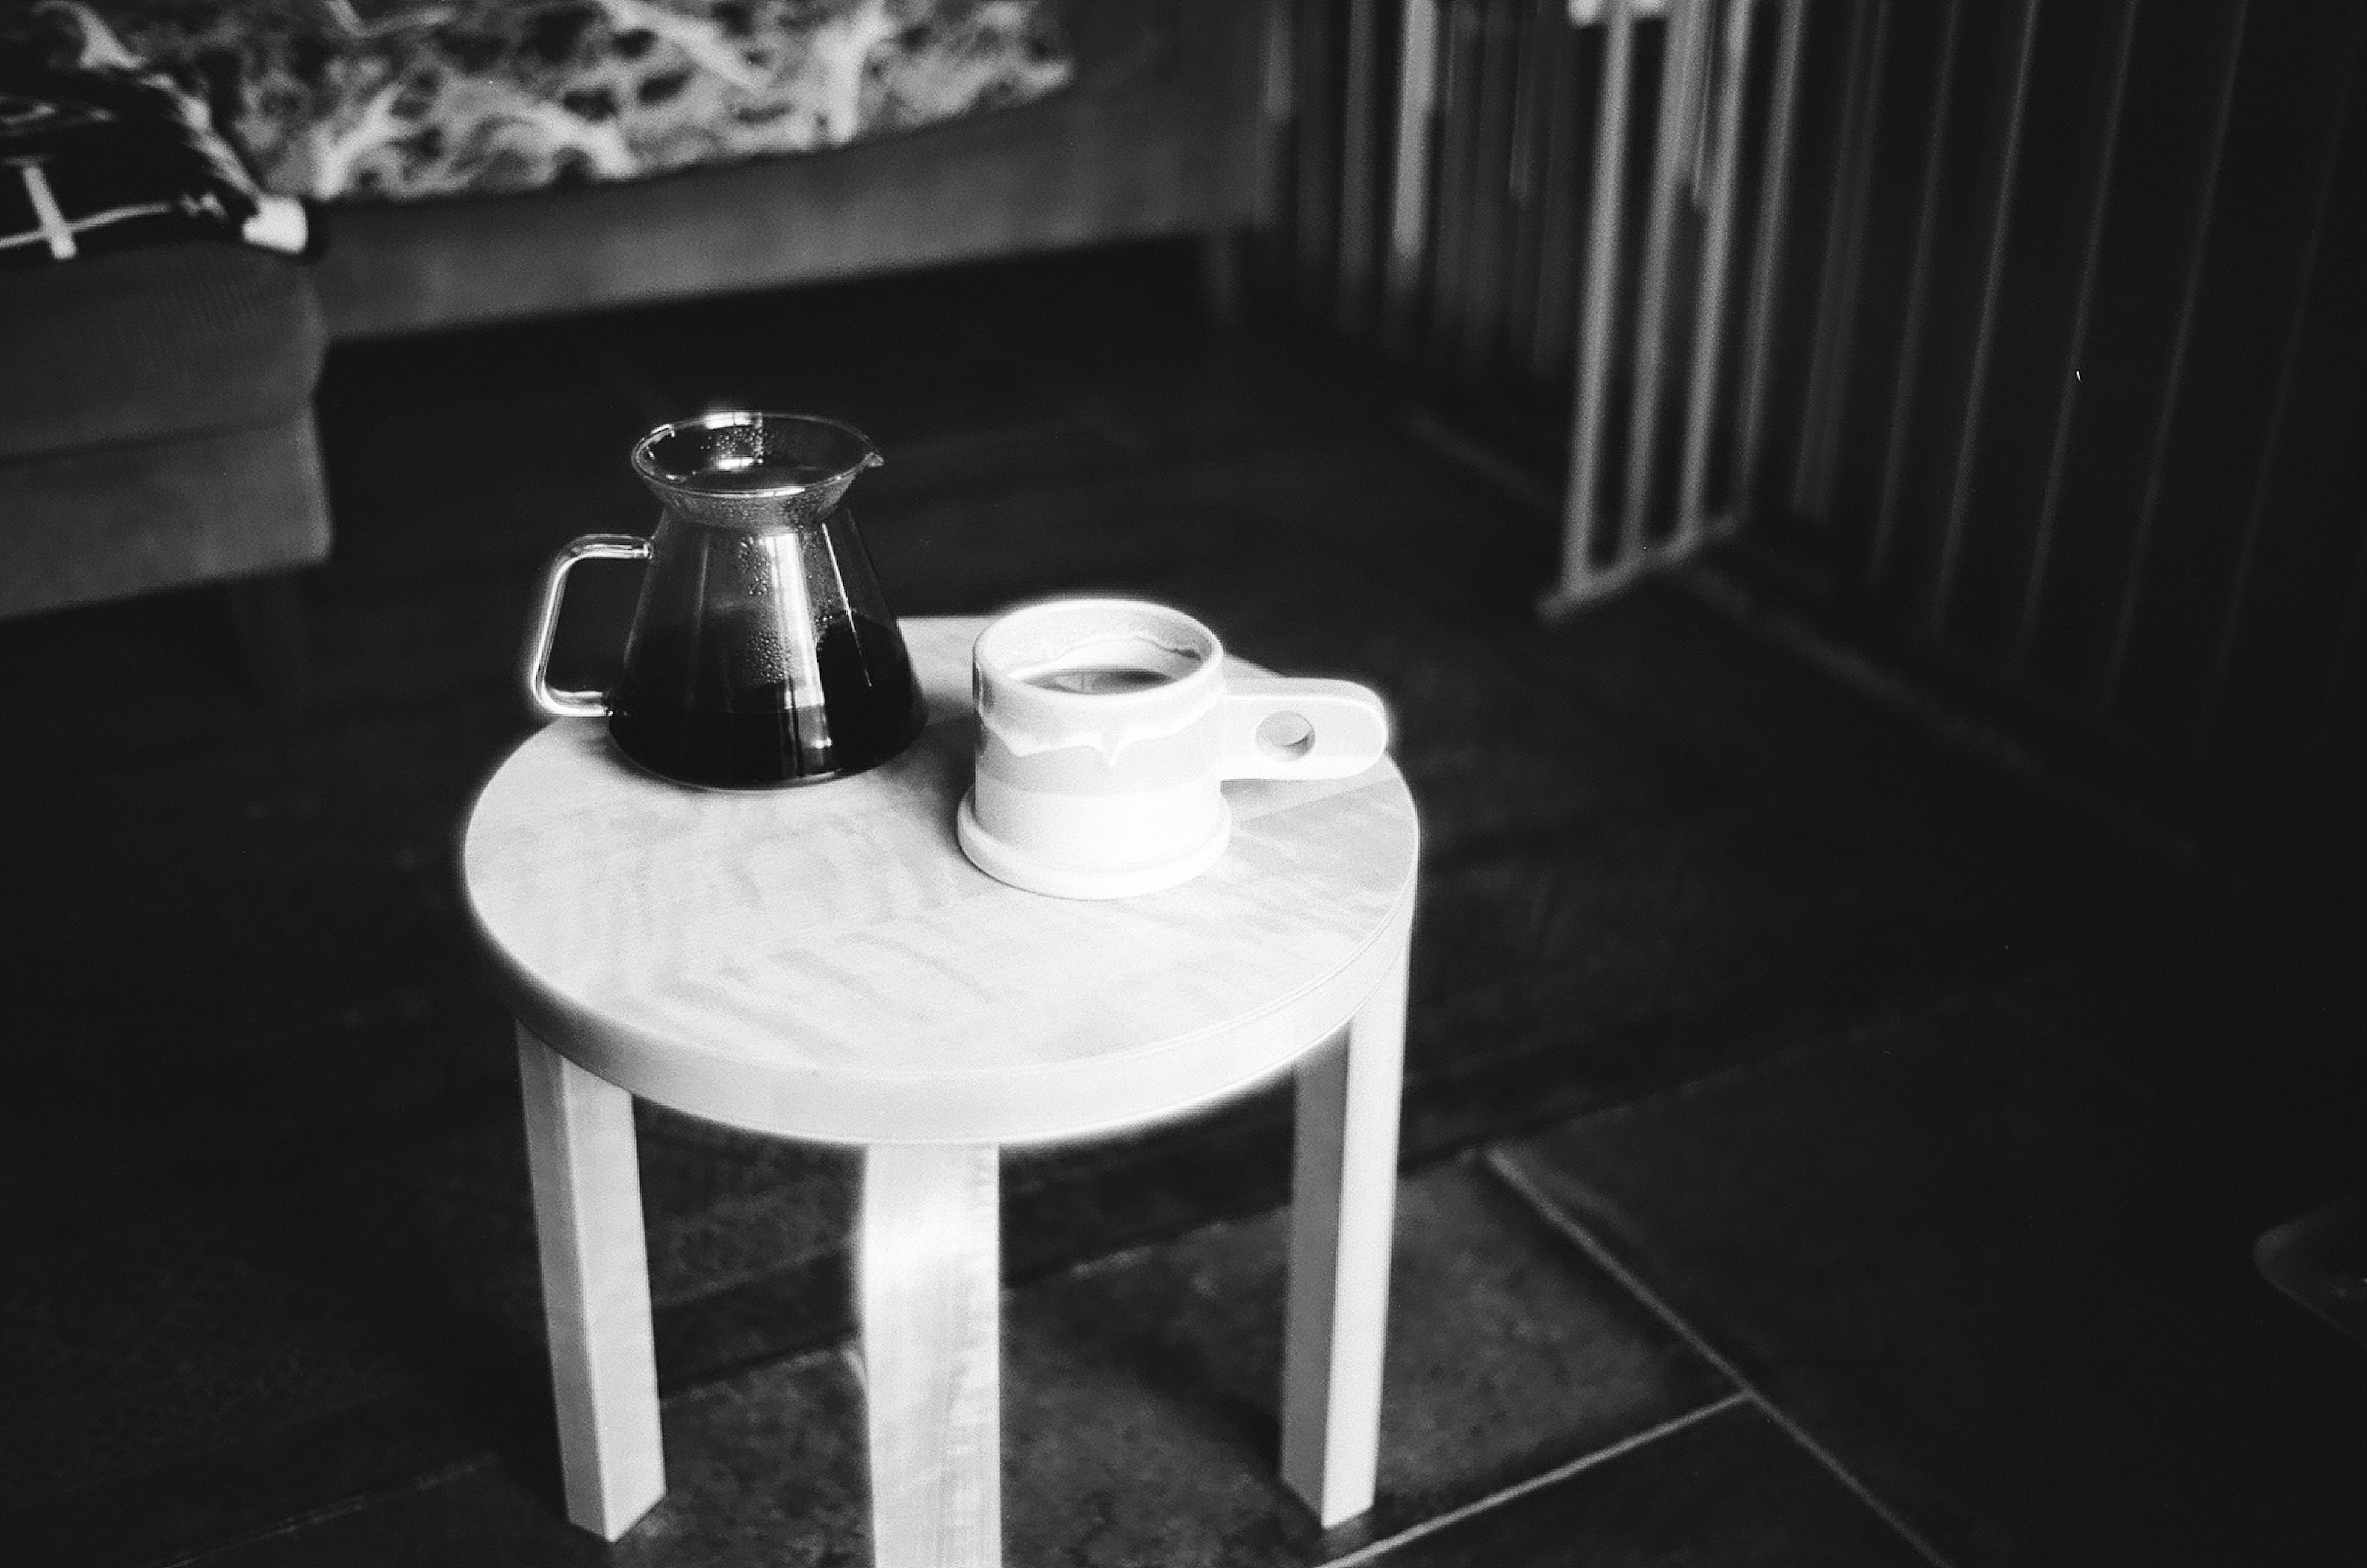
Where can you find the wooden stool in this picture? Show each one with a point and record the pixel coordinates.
(823, 963)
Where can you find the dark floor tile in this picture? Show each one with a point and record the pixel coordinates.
(1413, 517)
(206, 1500)
(961, 469)
(285, 944)
(382, 1282)
(2246, 1029)
(123, 680)
(1736, 703)
(308, 1324)
(1068, 364)
(729, 1206)
(421, 492)
(1998, 1286)
(975, 553)
(413, 375)
(1194, 391)
(963, 429)
(1632, 928)
(494, 453)
(765, 1470)
(1666, 921)
(362, 1267)
(1508, 1355)
(1139, 1400)
(460, 639)
(1739, 706)
(1727, 1488)
(946, 324)
(374, 650)
(1061, 1204)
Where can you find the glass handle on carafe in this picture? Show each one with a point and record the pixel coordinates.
(570, 704)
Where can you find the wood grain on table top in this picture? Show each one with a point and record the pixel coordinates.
(824, 961)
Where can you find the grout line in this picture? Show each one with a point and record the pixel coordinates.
(1080, 414)
(1478, 458)
(1508, 1171)
(2159, 1098)
(1365, 1553)
(326, 1513)
(2072, 1043)
(1731, 598)
(1838, 1035)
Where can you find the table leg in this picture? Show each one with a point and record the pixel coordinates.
(595, 1288)
(1343, 1202)
(929, 1279)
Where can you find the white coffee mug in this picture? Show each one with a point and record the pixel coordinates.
(1106, 728)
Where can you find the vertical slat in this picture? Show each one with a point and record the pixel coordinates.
(2222, 652)
(1410, 185)
(1669, 148)
(1552, 334)
(2124, 622)
(1275, 109)
(1952, 541)
(1540, 30)
(1774, 214)
(1487, 226)
(1918, 288)
(1535, 49)
(1709, 319)
(1459, 72)
(1318, 220)
(1582, 508)
(1834, 340)
(2042, 553)
(1360, 172)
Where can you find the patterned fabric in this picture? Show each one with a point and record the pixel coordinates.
(396, 99)
(98, 159)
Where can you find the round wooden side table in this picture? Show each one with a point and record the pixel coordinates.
(824, 963)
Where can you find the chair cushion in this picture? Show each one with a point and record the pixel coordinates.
(154, 342)
(102, 158)
(85, 526)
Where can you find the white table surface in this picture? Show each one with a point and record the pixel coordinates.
(822, 962)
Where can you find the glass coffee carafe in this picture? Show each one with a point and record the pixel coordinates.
(762, 652)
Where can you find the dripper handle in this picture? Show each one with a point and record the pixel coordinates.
(570, 704)
(1340, 730)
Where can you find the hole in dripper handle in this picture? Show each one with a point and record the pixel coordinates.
(1285, 736)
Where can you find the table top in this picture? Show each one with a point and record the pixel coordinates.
(823, 962)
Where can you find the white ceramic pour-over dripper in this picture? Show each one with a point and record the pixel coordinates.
(1106, 729)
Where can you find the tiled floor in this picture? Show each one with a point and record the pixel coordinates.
(1817, 1149)
(2003, 1295)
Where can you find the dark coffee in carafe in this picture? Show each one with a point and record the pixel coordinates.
(762, 651)
(735, 734)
